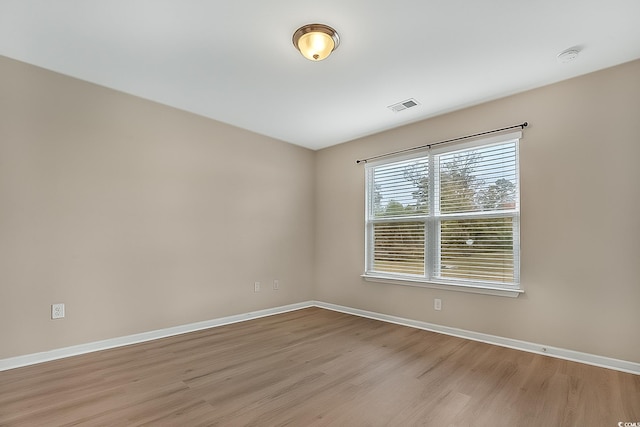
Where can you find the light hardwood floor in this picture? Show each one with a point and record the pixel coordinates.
(315, 367)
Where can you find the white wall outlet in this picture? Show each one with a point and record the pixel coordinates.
(437, 304)
(276, 284)
(256, 287)
(57, 311)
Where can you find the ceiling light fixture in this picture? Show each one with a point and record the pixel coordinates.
(316, 41)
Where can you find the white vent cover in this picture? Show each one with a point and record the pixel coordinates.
(411, 102)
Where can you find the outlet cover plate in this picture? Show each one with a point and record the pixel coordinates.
(57, 311)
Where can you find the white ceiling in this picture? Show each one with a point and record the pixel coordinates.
(234, 61)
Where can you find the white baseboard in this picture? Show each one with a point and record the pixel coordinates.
(560, 353)
(576, 356)
(60, 353)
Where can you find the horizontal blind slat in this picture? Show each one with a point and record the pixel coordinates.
(477, 249)
(478, 179)
(399, 247)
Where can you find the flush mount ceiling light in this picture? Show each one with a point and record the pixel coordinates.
(316, 41)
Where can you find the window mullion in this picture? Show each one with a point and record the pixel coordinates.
(431, 240)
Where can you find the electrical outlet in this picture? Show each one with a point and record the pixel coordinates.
(276, 284)
(256, 287)
(437, 304)
(57, 311)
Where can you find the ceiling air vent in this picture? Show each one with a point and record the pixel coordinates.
(403, 105)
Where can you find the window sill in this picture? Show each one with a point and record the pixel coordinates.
(459, 287)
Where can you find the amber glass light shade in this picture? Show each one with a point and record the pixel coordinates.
(315, 41)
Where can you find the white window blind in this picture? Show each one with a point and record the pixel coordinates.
(447, 216)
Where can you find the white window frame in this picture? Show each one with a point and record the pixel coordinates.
(432, 224)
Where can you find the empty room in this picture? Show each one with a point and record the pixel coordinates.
(360, 213)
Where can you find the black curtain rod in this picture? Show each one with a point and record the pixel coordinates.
(521, 126)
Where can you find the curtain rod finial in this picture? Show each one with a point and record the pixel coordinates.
(525, 124)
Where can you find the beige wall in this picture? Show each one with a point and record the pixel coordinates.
(138, 216)
(580, 210)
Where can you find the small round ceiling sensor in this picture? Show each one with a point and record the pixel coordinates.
(568, 55)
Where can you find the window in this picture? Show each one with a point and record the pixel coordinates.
(447, 217)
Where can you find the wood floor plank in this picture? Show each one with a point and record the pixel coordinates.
(315, 367)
